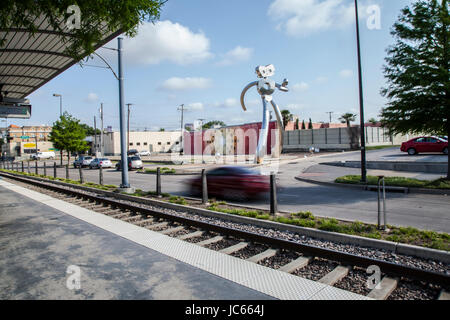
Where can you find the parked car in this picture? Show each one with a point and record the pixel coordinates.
(83, 161)
(232, 182)
(134, 162)
(100, 162)
(132, 152)
(425, 144)
(43, 155)
(144, 153)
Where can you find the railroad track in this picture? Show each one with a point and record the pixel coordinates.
(340, 269)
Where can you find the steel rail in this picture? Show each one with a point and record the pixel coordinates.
(342, 257)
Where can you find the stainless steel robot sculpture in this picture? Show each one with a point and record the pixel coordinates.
(266, 87)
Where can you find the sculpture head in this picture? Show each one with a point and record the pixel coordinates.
(265, 71)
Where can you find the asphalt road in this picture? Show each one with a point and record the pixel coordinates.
(428, 212)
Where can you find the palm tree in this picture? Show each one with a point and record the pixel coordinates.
(286, 117)
(347, 118)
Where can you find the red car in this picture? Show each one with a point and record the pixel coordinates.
(235, 183)
(425, 144)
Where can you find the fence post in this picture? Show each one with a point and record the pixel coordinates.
(54, 169)
(36, 167)
(23, 169)
(273, 194)
(340, 136)
(81, 175)
(100, 172)
(380, 180)
(28, 166)
(45, 168)
(67, 171)
(204, 187)
(158, 182)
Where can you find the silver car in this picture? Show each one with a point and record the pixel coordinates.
(136, 162)
(83, 161)
(100, 162)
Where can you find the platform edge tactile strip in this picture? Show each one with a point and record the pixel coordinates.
(272, 282)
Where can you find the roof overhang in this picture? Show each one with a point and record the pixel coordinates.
(30, 60)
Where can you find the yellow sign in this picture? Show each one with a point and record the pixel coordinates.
(29, 145)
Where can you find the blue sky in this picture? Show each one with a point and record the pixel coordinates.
(202, 53)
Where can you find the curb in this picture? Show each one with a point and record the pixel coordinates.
(394, 247)
(364, 187)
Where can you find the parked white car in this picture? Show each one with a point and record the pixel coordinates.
(43, 155)
(100, 162)
(144, 153)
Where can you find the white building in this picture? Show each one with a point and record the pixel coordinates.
(153, 141)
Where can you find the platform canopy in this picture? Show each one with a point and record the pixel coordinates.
(30, 60)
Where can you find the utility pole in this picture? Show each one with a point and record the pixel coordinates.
(128, 127)
(101, 132)
(182, 109)
(95, 136)
(330, 113)
(361, 102)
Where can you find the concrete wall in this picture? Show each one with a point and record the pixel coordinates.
(338, 138)
(334, 138)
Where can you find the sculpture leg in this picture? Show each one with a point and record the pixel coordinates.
(278, 150)
(261, 148)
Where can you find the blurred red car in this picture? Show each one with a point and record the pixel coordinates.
(425, 144)
(235, 183)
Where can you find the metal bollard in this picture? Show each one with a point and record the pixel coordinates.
(36, 167)
(67, 171)
(204, 187)
(381, 180)
(158, 182)
(100, 172)
(54, 170)
(45, 168)
(273, 194)
(81, 175)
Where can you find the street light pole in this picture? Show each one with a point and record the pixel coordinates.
(101, 132)
(60, 115)
(123, 156)
(361, 102)
(182, 114)
(128, 127)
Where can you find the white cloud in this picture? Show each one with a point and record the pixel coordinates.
(321, 80)
(299, 87)
(346, 73)
(228, 103)
(294, 106)
(305, 17)
(196, 106)
(236, 55)
(166, 41)
(91, 98)
(180, 84)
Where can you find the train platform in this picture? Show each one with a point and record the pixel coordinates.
(51, 249)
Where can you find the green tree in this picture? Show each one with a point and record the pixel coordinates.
(286, 116)
(303, 125)
(310, 125)
(347, 118)
(68, 134)
(89, 130)
(297, 124)
(211, 124)
(162, 130)
(417, 72)
(373, 121)
(122, 15)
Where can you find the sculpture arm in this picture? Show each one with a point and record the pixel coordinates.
(245, 91)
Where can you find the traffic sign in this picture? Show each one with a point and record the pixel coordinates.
(29, 145)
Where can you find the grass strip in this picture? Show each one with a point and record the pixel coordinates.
(441, 183)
